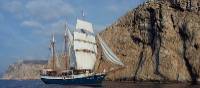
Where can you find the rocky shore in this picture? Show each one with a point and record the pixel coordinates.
(25, 70)
(157, 41)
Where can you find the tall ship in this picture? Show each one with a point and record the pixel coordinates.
(78, 58)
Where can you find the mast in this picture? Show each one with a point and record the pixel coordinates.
(53, 51)
(83, 15)
(69, 48)
(66, 39)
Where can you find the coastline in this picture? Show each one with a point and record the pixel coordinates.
(24, 70)
(125, 81)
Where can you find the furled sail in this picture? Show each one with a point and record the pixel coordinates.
(84, 45)
(108, 53)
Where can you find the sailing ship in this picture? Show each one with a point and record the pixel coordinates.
(80, 48)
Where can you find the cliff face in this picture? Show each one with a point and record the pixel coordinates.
(156, 41)
(25, 70)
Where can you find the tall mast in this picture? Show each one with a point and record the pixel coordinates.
(65, 40)
(53, 50)
(83, 15)
(66, 60)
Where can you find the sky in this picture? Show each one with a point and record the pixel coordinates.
(26, 25)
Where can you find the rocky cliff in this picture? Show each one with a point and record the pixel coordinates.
(157, 41)
(24, 70)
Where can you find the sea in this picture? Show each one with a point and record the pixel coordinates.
(106, 84)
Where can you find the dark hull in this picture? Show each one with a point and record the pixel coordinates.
(89, 80)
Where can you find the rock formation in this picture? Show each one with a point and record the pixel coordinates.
(24, 70)
(157, 41)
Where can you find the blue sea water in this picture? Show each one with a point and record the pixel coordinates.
(40, 84)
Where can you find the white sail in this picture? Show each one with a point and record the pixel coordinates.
(84, 37)
(69, 34)
(84, 45)
(70, 47)
(70, 40)
(108, 53)
(85, 60)
(78, 45)
(84, 25)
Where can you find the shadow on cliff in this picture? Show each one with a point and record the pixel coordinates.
(185, 39)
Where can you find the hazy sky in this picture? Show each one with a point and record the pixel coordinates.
(26, 25)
